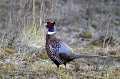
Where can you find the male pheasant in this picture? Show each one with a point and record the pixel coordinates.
(58, 51)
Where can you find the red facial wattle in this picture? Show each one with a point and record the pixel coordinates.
(49, 25)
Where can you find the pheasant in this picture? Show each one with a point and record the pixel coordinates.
(57, 50)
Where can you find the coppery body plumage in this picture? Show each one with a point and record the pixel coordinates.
(56, 51)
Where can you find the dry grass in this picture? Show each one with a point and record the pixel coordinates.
(92, 28)
(26, 65)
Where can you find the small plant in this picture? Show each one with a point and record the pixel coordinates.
(86, 35)
(9, 51)
(29, 57)
(8, 68)
(42, 55)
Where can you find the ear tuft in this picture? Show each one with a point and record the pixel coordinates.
(54, 23)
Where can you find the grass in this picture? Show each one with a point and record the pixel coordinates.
(90, 30)
(27, 65)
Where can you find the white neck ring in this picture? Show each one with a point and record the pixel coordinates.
(50, 33)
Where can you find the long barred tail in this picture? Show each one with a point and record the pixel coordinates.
(87, 56)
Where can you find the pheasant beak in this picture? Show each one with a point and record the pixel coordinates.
(45, 24)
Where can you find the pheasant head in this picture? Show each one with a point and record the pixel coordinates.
(51, 27)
